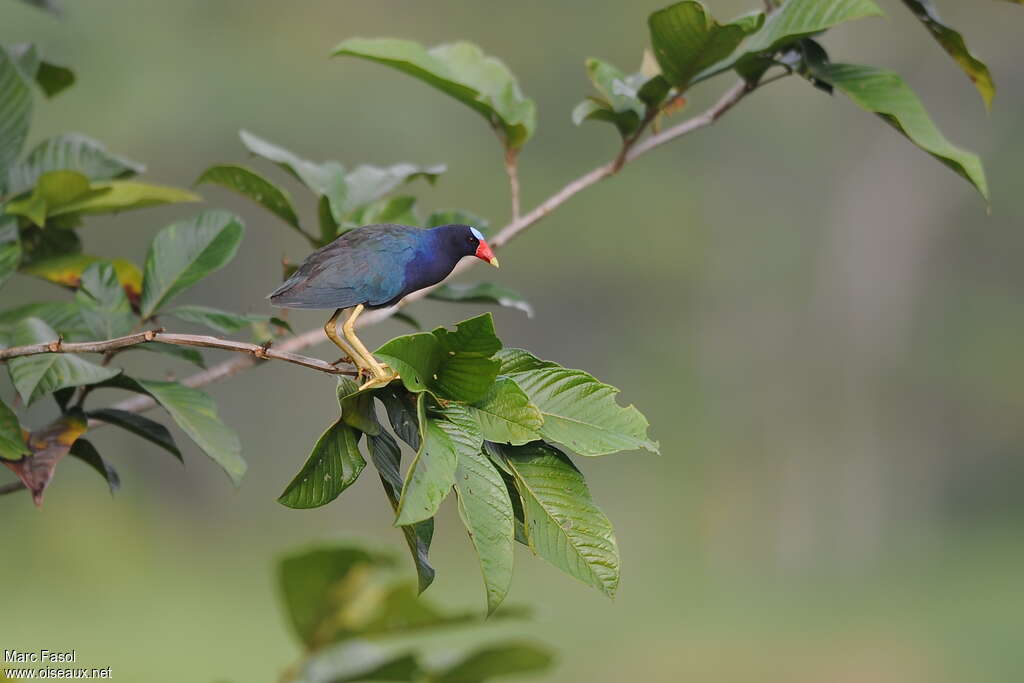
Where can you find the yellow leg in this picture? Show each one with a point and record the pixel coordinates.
(331, 330)
(381, 376)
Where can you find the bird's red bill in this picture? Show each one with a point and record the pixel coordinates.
(484, 253)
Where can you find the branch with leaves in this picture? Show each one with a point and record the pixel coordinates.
(497, 426)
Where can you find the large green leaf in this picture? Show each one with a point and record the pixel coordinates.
(486, 512)
(455, 365)
(62, 316)
(506, 414)
(185, 252)
(686, 39)
(431, 473)
(369, 183)
(67, 270)
(794, 20)
(35, 376)
(316, 583)
(581, 412)
(103, 306)
(15, 113)
(113, 196)
(563, 525)
(953, 43)
(255, 187)
(196, 413)
(10, 247)
(483, 293)
(886, 94)
(401, 409)
(325, 180)
(332, 467)
(72, 152)
(496, 660)
(140, 425)
(461, 70)
(12, 441)
(387, 457)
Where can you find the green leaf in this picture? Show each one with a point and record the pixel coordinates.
(886, 94)
(35, 376)
(12, 441)
(54, 191)
(10, 247)
(51, 78)
(953, 43)
(686, 39)
(415, 357)
(563, 524)
(328, 226)
(71, 152)
(102, 302)
(214, 318)
(359, 660)
(255, 187)
(196, 413)
(461, 70)
(185, 252)
(486, 512)
(369, 183)
(492, 661)
(150, 430)
(506, 414)
(325, 180)
(581, 412)
(387, 458)
(113, 196)
(316, 582)
(15, 113)
(483, 293)
(357, 409)
(87, 453)
(431, 473)
(794, 20)
(332, 467)
(457, 217)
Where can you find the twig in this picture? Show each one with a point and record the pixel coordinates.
(309, 338)
(512, 169)
(256, 351)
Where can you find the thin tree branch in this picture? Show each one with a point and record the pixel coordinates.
(257, 351)
(232, 367)
(512, 169)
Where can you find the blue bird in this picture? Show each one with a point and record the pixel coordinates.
(376, 266)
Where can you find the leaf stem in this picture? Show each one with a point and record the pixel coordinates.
(512, 169)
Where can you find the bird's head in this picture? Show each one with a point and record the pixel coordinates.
(468, 241)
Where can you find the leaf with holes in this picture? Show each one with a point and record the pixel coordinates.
(563, 525)
(185, 252)
(462, 71)
(506, 414)
(334, 464)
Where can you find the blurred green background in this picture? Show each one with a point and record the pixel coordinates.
(822, 323)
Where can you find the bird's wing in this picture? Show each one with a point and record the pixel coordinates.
(363, 266)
